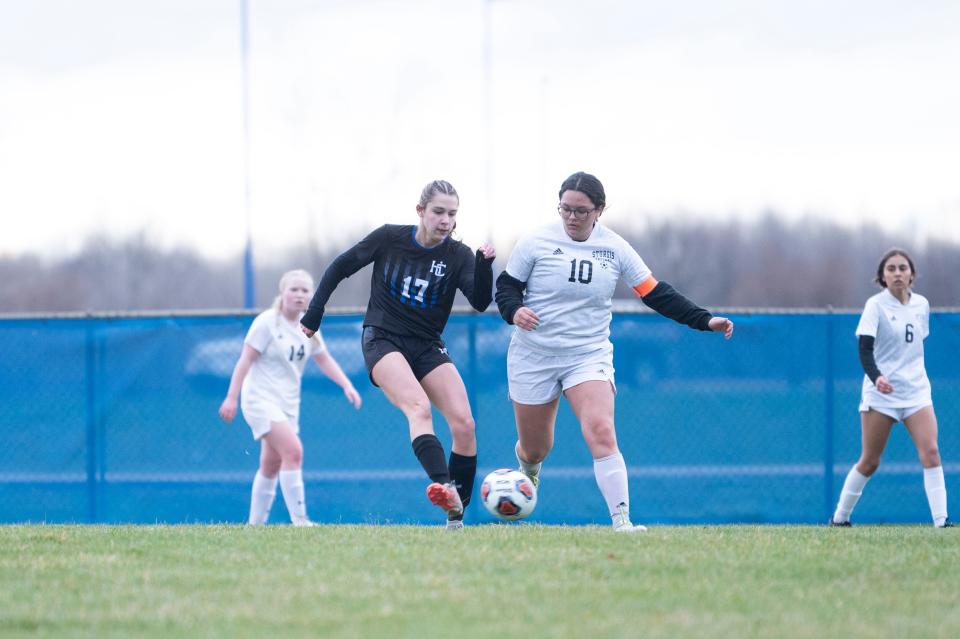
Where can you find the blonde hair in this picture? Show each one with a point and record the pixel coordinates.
(284, 281)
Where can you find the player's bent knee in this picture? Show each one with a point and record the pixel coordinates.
(417, 409)
(600, 432)
(294, 459)
(464, 426)
(293, 454)
(463, 438)
(270, 469)
(930, 457)
(868, 467)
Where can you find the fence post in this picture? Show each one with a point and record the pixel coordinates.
(829, 375)
(90, 353)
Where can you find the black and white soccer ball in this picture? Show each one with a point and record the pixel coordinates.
(508, 494)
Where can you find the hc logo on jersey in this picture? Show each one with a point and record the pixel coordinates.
(437, 268)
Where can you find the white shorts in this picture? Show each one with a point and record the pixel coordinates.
(896, 414)
(259, 414)
(535, 378)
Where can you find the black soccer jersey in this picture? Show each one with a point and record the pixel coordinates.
(412, 287)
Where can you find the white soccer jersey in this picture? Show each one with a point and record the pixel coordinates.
(899, 331)
(284, 350)
(570, 285)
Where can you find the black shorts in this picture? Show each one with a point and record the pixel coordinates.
(423, 355)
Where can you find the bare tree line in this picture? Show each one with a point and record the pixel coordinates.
(768, 263)
(772, 263)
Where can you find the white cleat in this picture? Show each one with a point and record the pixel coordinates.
(621, 521)
(302, 521)
(530, 470)
(630, 528)
(454, 526)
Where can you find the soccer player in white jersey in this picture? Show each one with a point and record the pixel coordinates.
(891, 331)
(557, 290)
(267, 381)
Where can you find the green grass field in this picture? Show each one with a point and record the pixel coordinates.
(489, 581)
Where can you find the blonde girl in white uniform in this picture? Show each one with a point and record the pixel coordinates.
(267, 381)
(557, 291)
(890, 334)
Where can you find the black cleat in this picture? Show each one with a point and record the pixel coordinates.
(839, 524)
(946, 524)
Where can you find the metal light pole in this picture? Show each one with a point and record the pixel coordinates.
(488, 113)
(248, 290)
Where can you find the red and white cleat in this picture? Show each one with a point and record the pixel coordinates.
(445, 496)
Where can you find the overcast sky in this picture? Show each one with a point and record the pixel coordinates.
(125, 115)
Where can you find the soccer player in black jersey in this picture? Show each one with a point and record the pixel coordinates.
(417, 270)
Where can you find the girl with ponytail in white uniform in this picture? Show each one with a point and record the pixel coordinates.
(267, 381)
(890, 334)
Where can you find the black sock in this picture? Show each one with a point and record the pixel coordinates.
(429, 451)
(462, 471)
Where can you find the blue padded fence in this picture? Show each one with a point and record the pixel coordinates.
(113, 419)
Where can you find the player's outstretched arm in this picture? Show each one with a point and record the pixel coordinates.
(667, 301)
(332, 369)
(345, 265)
(341, 268)
(228, 409)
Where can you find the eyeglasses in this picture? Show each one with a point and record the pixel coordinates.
(580, 213)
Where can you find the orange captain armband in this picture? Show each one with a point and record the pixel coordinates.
(645, 286)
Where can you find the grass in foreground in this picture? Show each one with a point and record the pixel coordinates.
(516, 581)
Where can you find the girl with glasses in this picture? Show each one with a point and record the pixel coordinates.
(557, 290)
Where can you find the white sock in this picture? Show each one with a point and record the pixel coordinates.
(291, 484)
(261, 499)
(936, 493)
(850, 495)
(611, 474)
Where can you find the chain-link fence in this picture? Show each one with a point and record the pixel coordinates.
(114, 419)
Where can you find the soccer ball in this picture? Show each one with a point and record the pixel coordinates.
(508, 494)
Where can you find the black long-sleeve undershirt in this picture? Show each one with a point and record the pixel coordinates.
(345, 265)
(670, 303)
(867, 360)
(481, 293)
(663, 299)
(509, 296)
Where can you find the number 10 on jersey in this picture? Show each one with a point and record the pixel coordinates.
(583, 273)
